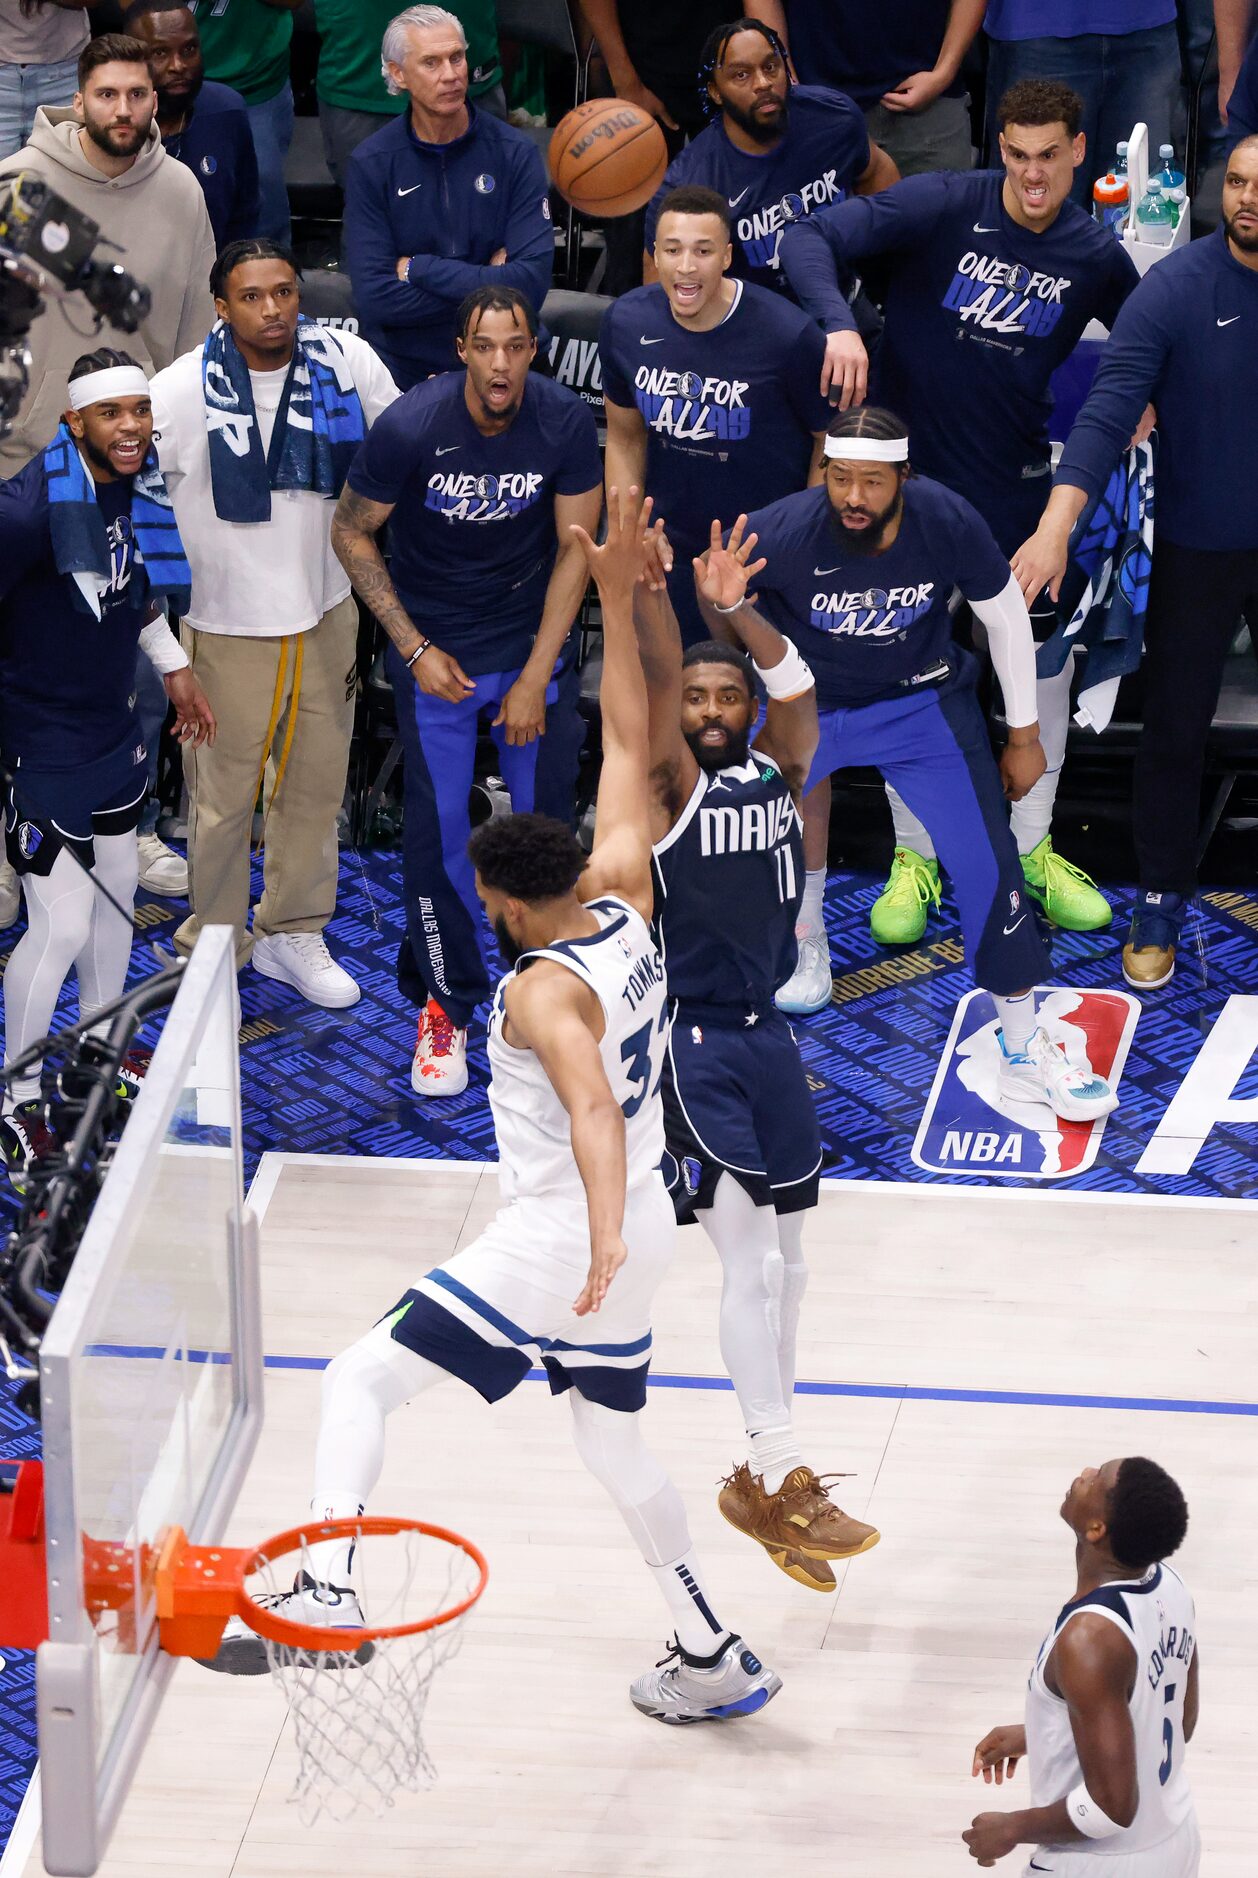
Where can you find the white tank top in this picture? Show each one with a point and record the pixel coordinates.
(626, 973)
(1155, 1613)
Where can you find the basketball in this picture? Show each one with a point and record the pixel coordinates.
(608, 157)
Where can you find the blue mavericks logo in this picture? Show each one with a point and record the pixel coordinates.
(484, 184)
(209, 165)
(29, 838)
(760, 230)
(690, 408)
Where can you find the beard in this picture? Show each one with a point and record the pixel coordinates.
(511, 952)
(755, 126)
(99, 459)
(1248, 244)
(114, 143)
(172, 104)
(710, 756)
(866, 541)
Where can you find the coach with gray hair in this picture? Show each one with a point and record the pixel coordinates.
(441, 202)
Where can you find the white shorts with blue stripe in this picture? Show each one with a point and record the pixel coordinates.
(505, 1302)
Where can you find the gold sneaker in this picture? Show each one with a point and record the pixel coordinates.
(740, 1499)
(1148, 968)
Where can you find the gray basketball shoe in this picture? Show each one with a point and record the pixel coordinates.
(684, 1688)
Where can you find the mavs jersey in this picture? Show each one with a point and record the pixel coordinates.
(728, 880)
(622, 967)
(1155, 1613)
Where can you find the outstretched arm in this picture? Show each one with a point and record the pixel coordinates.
(722, 577)
(671, 762)
(621, 860)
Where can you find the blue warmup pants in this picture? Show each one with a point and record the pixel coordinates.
(932, 747)
(443, 952)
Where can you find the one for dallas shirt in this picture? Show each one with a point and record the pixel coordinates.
(823, 151)
(870, 624)
(473, 527)
(730, 412)
(979, 313)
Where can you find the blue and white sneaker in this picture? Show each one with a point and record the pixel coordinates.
(684, 1688)
(1043, 1074)
(242, 1651)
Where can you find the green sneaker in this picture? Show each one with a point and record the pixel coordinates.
(898, 916)
(1069, 897)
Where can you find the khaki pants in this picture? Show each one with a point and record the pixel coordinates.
(300, 867)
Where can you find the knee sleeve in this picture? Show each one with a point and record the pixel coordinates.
(361, 1388)
(753, 1269)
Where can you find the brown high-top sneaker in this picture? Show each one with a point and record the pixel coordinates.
(742, 1501)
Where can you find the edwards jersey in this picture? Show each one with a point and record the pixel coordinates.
(729, 876)
(623, 968)
(1156, 1614)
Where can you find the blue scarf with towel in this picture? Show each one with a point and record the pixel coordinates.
(318, 427)
(1105, 590)
(79, 544)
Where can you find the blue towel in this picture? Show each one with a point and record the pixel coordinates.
(79, 544)
(318, 426)
(1105, 592)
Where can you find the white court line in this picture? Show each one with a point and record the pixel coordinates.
(275, 1160)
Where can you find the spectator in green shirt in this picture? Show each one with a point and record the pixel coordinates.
(354, 101)
(245, 44)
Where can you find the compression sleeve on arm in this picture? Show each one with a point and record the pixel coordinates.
(1012, 646)
(161, 648)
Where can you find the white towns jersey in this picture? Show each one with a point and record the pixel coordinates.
(1156, 1614)
(626, 974)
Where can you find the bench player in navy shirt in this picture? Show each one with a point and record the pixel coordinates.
(710, 388)
(83, 553)
(484, 472)
(203, 125)
(776, 151)
(988, 282)
(858, 574)
(442, 201)
(744, 1148)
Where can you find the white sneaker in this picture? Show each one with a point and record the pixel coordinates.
(242, 1651)
(161, 869)
(439, 1066)
(10, 894)
(682, 1688)
(809, 986)
(301, 959)
(1043, 1073)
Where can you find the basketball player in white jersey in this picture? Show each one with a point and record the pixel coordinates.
(567, 1270)
(1112, 1698)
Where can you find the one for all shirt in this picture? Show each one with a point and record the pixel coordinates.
(473, 527)
(254, 579)
(730, 413)
(979, 314)
(870, 624)
(824, 150)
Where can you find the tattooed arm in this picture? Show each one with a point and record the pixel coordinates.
(354, 528)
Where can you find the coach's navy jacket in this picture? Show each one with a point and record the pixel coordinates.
(450, 206)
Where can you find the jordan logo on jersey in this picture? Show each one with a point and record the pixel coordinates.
(1005, 297)
(965, 1128)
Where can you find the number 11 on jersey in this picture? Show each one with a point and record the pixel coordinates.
(787, 890)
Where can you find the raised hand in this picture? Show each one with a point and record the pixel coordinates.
(632, 549)
(724, 573)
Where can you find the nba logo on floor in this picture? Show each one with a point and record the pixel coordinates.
(966, 1129)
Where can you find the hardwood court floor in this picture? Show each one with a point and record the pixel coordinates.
(862, 1762)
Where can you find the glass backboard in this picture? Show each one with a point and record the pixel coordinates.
(151, 1403)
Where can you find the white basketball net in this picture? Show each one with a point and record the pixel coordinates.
(359, 1725)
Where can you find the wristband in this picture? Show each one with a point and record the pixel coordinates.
(727, 609)
(1087, 1817)
(417, 654)
(790, 678)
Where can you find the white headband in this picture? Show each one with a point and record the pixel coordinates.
(116, 381)
(869, 449)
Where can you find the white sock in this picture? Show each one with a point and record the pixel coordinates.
(812, 908)
(774, 1453)
(909, 832)
(698, 1631)
(1032, 818)
(1017, 1020)
(331, 1561)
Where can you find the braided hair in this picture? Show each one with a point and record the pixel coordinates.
(715, 47)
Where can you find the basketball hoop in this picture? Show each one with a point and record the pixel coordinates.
(357, 1696)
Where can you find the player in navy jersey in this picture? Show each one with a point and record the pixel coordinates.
(485, 472)
(858, 575)
(777, 152)
(88, 545)
(987, 282)
(744, 1146)
(1112, 1700)
(710, 388)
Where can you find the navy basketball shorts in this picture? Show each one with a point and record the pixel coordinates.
(737, 1101)
(933, 748)
(505, 1302)
(48, 810)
